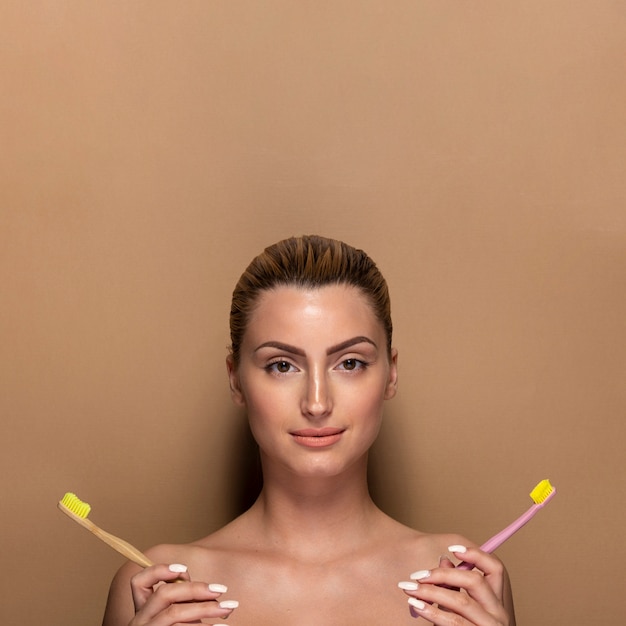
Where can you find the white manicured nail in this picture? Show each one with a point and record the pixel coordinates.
(408, 586)
(178, 568)
(423, 573)
(215, 588)
(417, 604)
(458, 549)
(229, 604)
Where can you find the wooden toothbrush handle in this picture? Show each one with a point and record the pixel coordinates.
(123, 547)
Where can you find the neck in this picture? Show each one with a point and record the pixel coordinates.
(313, 518)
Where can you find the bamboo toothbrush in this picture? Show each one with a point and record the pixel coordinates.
(78, 510)
(541, 495)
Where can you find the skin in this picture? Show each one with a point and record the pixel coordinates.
(314, 549)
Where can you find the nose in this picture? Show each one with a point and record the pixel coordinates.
(317, 398)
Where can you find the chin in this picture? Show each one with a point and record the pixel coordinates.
(329, 468)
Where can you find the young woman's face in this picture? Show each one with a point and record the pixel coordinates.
(313, 375)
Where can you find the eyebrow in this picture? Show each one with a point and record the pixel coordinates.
(285, 347)
(348, 343)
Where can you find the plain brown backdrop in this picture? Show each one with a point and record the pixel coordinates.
(476, 150)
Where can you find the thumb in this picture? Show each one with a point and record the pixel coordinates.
(445, 562)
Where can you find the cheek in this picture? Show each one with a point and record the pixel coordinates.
(373, 391)
(367, 404)
(260, 425)
(266, 407)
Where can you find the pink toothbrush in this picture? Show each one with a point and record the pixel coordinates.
(541, 495)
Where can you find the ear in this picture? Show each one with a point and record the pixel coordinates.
(392, 380)
(233, 380)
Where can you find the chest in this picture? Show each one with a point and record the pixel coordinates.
(344, 593)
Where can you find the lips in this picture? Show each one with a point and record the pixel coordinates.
(317, 432)
(317, 437)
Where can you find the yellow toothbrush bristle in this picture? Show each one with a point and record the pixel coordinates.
(75, 505)
(541, 491)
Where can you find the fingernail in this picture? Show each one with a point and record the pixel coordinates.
(458, 549)
(229, 604)
(178, 568)
(423, 573)
(417, 604)
(408, 586)
(215, 588)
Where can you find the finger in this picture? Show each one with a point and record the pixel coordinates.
(445, 562)
(462, 611)
(490, 565)
(190, 612)
(142, 584)
(408, 586)
(435, 615)
(185, 592)
(187, 602)
(476, 600)
(487, 563)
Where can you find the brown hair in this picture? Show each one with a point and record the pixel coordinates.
(309, 261)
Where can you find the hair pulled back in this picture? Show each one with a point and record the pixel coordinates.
(307, 262)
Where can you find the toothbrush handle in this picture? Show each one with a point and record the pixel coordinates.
(497, 540)
(123, 547)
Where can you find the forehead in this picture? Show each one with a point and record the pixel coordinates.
(331, 310)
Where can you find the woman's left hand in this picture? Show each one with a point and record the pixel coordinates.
(447, 596)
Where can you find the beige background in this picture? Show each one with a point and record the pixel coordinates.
(476, 149)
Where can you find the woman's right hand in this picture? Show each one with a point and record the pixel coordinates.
(183, 602)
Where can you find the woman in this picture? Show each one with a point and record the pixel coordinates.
(312, 363)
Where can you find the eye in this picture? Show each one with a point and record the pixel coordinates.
(352, 364)
(280, 367)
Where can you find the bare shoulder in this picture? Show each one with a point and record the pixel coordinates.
(421, 550)
(431, 547)
(119, 607)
